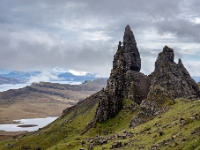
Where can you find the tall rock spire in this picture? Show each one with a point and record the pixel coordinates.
(125, 80)
(131, 54)
(128, 36)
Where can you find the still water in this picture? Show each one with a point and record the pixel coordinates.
(40, 122)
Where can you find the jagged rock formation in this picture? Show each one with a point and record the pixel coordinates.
(125, 79)
(131, 54)
(173, 77)
(168, 81)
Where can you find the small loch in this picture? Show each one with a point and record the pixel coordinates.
(27, 124)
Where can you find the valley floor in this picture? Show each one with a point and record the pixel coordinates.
(44, 99)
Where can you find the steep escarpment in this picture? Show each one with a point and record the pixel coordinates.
(55, 89)
(125, 80)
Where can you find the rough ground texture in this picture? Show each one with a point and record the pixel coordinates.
(173, 77)
(125, 79)
(157, 102)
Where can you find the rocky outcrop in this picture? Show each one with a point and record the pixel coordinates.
(173, 77)
(125, 80)
(131, 54)
(168, 81)
(157, 102)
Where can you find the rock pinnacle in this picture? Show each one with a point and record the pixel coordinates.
(125, 80)
(131, 54)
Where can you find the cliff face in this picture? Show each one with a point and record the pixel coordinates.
(173, 77)
(125, 80)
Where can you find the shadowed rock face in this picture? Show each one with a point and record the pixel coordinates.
(173, 77)
(157, 102)
(131, 54)
(125, 80)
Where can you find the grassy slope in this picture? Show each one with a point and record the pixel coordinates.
(62, 135)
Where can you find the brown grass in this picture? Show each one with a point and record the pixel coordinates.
(10, 135)
(33, 105)
(43, 99)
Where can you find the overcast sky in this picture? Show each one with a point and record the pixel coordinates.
(83, 35)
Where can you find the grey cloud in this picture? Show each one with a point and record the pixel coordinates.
(187, 31)
(29, 53)
(61, 33)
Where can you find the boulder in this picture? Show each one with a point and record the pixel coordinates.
(117, 144)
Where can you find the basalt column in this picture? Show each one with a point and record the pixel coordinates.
(125, 80)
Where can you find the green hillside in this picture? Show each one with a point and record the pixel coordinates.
(178, 128)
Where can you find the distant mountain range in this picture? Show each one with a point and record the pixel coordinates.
(4, 80)
(20, 75)
(14, 77)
